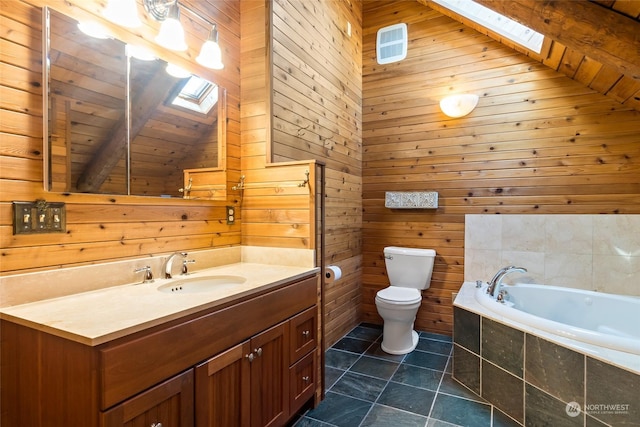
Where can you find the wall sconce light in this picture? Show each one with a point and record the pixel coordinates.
(139, 52)
(171, 34)
(459, 105)
(93, 29)
(177, 72)
(123, 13)
(210, 53)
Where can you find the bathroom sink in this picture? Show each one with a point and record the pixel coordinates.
(200, 284)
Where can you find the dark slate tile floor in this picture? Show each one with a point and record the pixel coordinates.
(366, 387)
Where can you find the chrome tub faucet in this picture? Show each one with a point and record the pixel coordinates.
(496, 281)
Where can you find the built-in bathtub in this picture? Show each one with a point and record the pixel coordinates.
(550, 355)
(603, 320)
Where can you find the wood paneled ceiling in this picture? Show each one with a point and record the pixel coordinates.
(595, 42)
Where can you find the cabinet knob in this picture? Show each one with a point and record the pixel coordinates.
(250, 356)
(156, 424)
(305, 334)
(258, 351)
(306, 378)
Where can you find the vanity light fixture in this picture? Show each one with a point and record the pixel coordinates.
(123, 13)
(171, 34)
(177, 72)
(459, 105)
(210, 53)
(158, 9)
(93, 29)
(139, 52)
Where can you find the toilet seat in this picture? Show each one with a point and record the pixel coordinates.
(399, 296)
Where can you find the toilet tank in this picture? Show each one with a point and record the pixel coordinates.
(409, 267)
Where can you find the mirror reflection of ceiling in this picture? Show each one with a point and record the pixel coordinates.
(172, 124)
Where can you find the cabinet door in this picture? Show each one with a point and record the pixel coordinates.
(223, 389)
(270, 377)
(168, 404)
(302, 334)
(302, 382)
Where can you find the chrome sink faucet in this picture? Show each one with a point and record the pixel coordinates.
(185, 262)
(496, 281)
(169, 264)
(148, 275)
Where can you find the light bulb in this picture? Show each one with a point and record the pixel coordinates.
(93, 29)
(171, 34)
(459, 105)
(140, 53)
(122, 12)
(210, 55)
(175, 71)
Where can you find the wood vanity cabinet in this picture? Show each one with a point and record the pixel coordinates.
(251, 363)
(262, 381)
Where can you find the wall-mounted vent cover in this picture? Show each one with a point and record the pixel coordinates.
(391, 44)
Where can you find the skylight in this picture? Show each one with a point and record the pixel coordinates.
(197, 95)
(496, 22)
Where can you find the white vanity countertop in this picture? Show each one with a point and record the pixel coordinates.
(100, 316)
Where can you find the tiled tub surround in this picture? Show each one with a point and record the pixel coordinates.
(539, 379)
(592, 252)
(28, 287)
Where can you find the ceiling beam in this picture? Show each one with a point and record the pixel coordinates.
(599, 33)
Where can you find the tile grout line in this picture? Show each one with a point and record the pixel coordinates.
(346, 370)
(400, 362)
(439, 385)
(360, 355)
(383, 388)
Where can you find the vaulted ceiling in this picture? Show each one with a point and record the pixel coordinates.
(595, 42)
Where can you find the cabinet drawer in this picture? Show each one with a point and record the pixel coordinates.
(168, 404)
(302, 334)
(302, 380)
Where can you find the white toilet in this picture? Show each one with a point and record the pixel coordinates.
(409, 272)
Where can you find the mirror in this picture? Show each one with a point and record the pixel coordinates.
(118, 124)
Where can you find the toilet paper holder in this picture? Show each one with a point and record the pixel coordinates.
(332, 273)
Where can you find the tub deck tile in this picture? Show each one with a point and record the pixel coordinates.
(555, 369)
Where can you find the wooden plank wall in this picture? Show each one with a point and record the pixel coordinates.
(537, 143)
(255, 99)
(278, 206)
(101, 228)
(276, 209)
(317, 98)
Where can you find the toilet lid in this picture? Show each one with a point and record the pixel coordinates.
(399, 294)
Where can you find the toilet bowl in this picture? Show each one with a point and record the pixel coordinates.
(398, 307)
(409, 272)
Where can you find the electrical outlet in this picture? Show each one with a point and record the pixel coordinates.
(231, 215)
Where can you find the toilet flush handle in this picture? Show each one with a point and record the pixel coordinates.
(388, 256)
